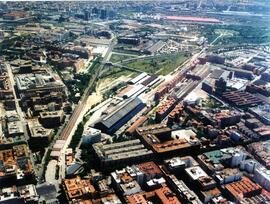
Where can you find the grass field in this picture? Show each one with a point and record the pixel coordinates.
(162, 65)
(118, 57)
(211, 103)
(114, 73)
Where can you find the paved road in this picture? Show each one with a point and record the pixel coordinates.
(50, 173)
(18, 108)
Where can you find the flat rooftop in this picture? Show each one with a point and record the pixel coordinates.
(37, 81)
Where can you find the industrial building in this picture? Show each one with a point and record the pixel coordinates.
(155, 82)
(263, 89)
(129, 40)
(150, 81)
(132, 129)
(138, 78)
(241, 98)
(132, 91)
(156, 129)
(216, 80)
(120, 116)
(191, 19)
(121, 153)
(266, 76)
(156, 47)
(239, 73)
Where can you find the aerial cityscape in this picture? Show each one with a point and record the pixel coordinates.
(137, 102)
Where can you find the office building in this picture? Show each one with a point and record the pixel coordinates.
(32, 83)
(39, 136)
(51, 119)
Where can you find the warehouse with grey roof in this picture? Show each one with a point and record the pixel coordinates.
(115, 120)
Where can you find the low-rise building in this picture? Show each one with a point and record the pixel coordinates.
(125, 183)
(261, 198)
(241, 189)
(15, 165)
(186, 195)
(6, 91)
(177, 165)
(162, 195)
(198, 176)
(207, 196)
(228, 175)
(261, 152)
(220, 118)
(23, 194)
(213, 161)
(175, 114)
(111, 198)
(162, 140)
(77, 188)
(262, 113)
(165, 108)
(150, 170)
(262, 176)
